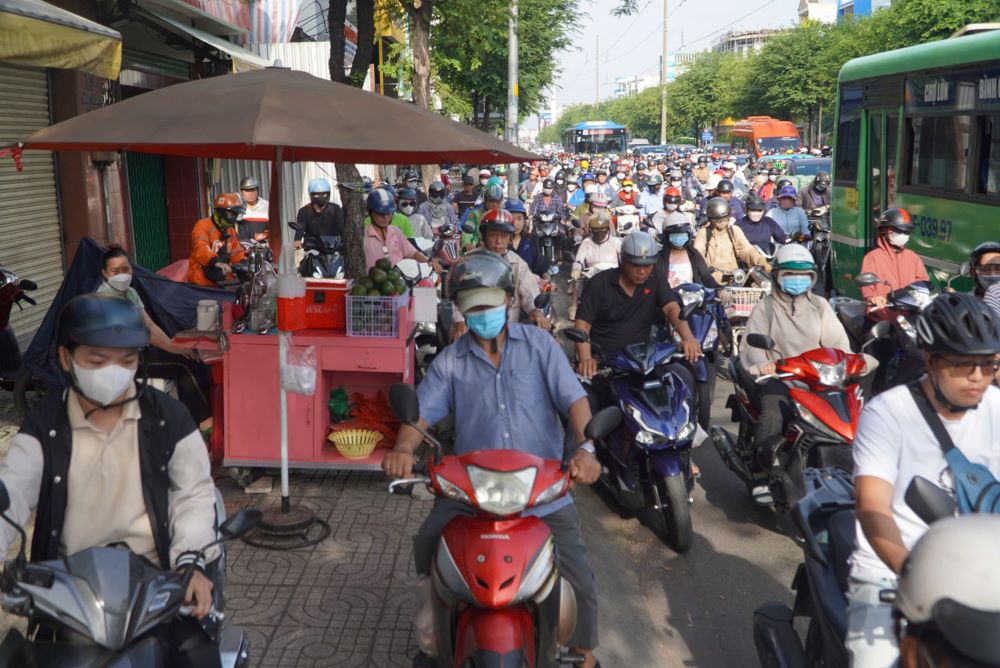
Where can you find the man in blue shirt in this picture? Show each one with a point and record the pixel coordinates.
(522, 385)
(791, 218)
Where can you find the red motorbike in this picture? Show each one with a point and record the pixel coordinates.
(498, 597)
(827, 402)
(13, 376)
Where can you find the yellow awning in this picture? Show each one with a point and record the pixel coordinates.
(243, 60)
(36, 34)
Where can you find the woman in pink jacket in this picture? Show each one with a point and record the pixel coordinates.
(890, 260)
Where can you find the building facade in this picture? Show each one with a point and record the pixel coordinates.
(824, 11)
(860, 7)
(744, 42)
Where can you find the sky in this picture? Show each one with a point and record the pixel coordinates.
(631, 45)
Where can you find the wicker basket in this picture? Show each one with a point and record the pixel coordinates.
(739, 302)
(355, 443)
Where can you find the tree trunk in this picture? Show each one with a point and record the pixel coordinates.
(348, 177)
(419, 12)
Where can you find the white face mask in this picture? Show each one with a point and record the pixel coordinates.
(590, 188)
(898, 239)
(105, 384)
(755, 216)
(571, 187)
(627, 189)
(407, 208)
(670, 207)
(120, 282)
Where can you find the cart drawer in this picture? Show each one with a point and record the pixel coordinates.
(384, 360)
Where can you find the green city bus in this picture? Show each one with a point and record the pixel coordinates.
(919, 128)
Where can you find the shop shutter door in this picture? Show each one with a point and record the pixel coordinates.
(30, 235)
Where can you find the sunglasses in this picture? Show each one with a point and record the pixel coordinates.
(966, 367)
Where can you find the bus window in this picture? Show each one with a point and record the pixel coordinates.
(988, 176)
(875, 165)
(891, 141)
(939, 150)
(848, 146)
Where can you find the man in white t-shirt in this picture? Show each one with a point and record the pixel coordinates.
(960, 338)
(254, 221)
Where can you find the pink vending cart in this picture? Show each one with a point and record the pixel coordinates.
(358, 363)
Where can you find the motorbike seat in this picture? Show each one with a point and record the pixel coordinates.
(841, 542)
(746, 381)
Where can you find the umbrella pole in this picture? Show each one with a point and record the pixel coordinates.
(290, 526)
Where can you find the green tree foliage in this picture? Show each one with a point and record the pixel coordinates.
(794, 75)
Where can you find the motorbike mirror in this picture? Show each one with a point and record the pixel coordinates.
(964, 271)
(297, 226)
(603, 423)
(576, 335)
(404, 403)
(409, 268)
(866, 279)
(928, 501)
(576, 222)
(4, 498)
(240, 523)
(762, 341)
(543, 299)
(879, 330)
(27, 285)
(468, 228)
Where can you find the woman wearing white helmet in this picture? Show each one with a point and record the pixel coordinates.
(797, 321)
(947, 604)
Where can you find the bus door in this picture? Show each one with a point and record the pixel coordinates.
(883, 136)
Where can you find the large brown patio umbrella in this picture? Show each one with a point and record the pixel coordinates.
(280, 115)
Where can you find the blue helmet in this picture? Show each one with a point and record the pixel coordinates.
(587, 177)
(380, 201)
(319, 185)
(515, 206)
(786, 191)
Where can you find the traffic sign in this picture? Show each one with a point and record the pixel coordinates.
(706, 136)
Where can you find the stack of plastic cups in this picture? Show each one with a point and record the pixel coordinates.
(291, 294)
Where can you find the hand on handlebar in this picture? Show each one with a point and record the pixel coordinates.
(199, 594)
(692, 350)
(878, 301)
(224, 268)
(584, 468)
(587, 368)
(398, 464)
(767, 369)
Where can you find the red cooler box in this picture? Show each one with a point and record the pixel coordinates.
(326, 303)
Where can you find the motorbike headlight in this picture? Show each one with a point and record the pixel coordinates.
(502, 492)
(831, 375)
(692, 296)
(687, 431)
(552, 493)
(636, 415)
(645, 437)
(451, 490)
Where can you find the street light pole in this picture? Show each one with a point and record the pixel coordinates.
(663, 80)
(512, 93)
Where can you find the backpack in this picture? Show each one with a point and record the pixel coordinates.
(976, 488)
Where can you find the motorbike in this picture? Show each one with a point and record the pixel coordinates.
(819, 435)
(322, 258)
(647, 461)
(900, 359)
(13, 376)
(710, 326)
(450, 249)
(743, 289)
(548, 231)
(498, 594)
(819, 231)
(102, 606)
(825, 519)
(626, 220)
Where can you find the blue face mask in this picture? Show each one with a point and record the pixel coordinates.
(679, 239)
(796, 285)
(488, 323)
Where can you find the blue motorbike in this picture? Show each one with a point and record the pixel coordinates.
(646, 463)
(707, 319)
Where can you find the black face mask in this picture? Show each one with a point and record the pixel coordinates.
(320, 199)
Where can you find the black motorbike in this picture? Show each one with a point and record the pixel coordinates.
(13, 376)
(819, 230)
(103, 606)
(548, 232)
(825, 520)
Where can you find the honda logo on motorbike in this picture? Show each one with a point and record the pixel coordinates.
(493, 536)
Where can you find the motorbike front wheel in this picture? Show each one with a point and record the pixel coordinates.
(675, 508)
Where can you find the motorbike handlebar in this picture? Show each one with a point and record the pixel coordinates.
(773, 376)
(28, 299)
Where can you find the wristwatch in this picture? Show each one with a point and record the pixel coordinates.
(588, 446)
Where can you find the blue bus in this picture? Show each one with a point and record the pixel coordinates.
(596, 137)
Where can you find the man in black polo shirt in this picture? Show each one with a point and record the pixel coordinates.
(321, 217)
(618, 306)
(466, 198)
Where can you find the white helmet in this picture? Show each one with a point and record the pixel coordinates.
(794, 257)
(951, 583)
(713, 181)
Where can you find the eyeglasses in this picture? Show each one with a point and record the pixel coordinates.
(966, 367)
(988, 269)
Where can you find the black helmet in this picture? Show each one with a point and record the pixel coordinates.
(979, 251)
(958, 324)
(437, 192)
(897, 219)
(642, 165)
(822, 179)
(687, 166)
(249, 183)
(718, 208)
(654, 180)
(725, 186)
(101, 320)
(468, 180)
(480, 269)
(548, 185)
(407, 194)
(702, 159)
(753, 202)
(781, 183)
(774, 171)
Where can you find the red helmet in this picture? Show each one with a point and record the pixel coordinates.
(672, 196)
(500, 220)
